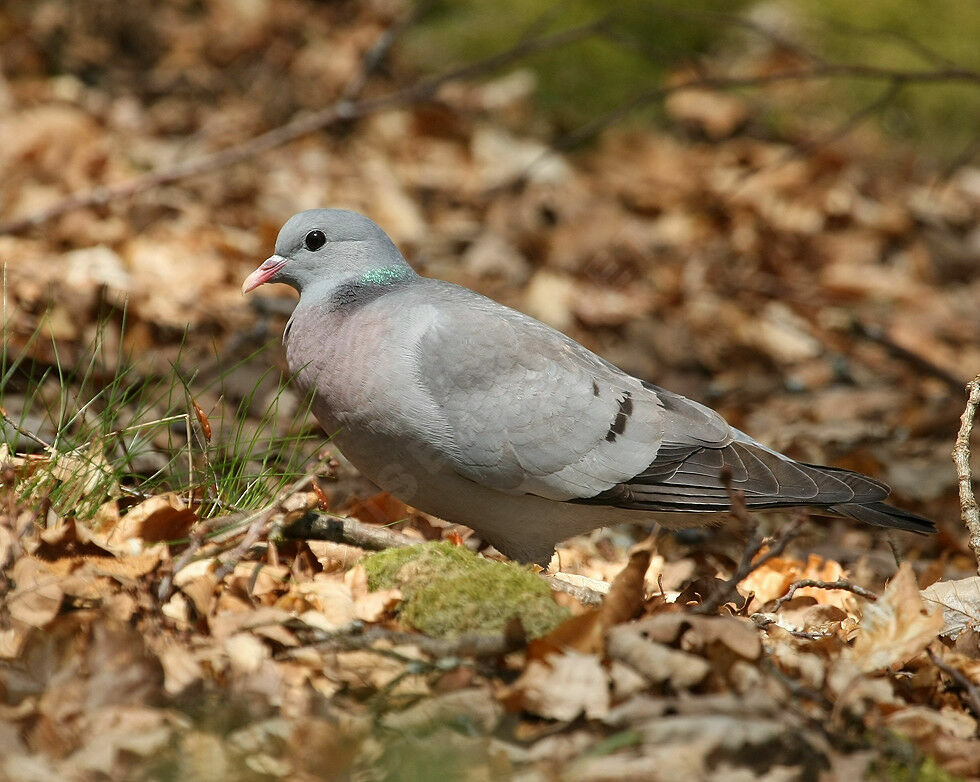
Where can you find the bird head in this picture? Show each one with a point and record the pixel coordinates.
(325, 246)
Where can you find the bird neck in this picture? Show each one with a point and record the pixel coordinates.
(385, 275)
(352, 293)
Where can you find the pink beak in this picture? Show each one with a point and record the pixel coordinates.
(264, 273)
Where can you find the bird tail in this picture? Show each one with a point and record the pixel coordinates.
(883, 515)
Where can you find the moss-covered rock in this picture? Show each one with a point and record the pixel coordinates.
(449, 591)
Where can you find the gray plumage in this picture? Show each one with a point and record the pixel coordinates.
(481, 415)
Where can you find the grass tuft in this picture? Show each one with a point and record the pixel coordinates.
(106, 426)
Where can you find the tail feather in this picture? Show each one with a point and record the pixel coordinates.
(883, 515)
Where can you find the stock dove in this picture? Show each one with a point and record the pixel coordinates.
(481, 415)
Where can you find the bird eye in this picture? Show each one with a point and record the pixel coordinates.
(315, 240)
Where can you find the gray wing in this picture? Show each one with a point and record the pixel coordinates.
(528, 410)
(685, 477)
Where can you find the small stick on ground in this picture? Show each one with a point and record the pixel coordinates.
(961, 458)
(841, 584)
(762, 622)
(582, 593)
(749, 563)
(24, 432)
(777, 544)
(337, 529)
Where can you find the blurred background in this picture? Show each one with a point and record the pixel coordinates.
(768, 206)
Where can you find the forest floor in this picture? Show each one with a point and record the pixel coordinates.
(162, 614)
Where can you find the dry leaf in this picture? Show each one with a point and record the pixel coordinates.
(658, 663)
(625, 598)
(564, 686)
(897, 627)
(159, 518)
(960, 603)
(37, 598)
(369, 606)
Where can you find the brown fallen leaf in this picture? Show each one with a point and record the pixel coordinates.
(895, 628)
(562, 687)
(960, 603)
(37, 598)
(370, 606)
(658, 663)
(694, 633)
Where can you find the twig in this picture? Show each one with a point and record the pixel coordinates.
(25, 432)
(960, 679)
(336, 529)
(762, 622)
(846, 127)
(205, 542)
(819, 70)
(343, 110)
(749, 563)
(583, 594)
(961, 458)
(841, 584)
(376, 55)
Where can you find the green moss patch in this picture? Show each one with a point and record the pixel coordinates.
(450, 591)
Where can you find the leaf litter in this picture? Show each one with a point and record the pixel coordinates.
(823, 303)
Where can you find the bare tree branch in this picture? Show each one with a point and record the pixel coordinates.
(961, 458)
(922, 363)
(343, 110)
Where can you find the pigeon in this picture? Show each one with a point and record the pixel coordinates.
(483, 416)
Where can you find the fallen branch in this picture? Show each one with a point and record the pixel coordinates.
(762, 622)
(223, 534)
(22, 431)
(878, 336)
(337, 529)
(841, 584)
(961, 458)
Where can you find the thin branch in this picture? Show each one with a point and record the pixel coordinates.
(845, 128)
(24, 432)
(841, 584)
(343, 110)
(378, 53)
(916, 47)
(762, 622)
(582, 593)
(205, 541)
(337, 529)
(751, 559)
(821, 70)
(961, 458)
